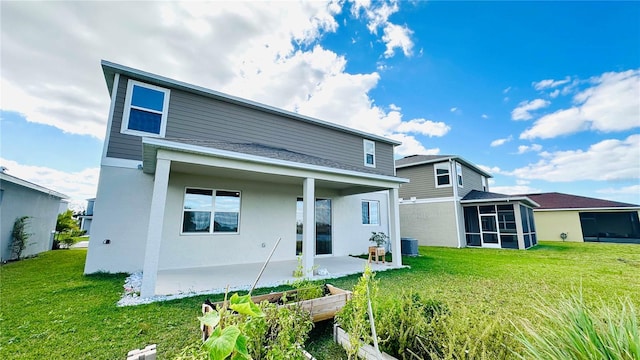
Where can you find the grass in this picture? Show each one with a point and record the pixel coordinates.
(48, 309)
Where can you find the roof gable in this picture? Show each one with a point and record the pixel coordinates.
(416, 160)
(15, 180)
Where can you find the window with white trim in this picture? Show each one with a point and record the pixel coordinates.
(459, 174)
(210, 211)
(371, 212)
(484, 183)
(145, 110)
(369, 153)
(442, 173)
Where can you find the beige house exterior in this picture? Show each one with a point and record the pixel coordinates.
(580, 219)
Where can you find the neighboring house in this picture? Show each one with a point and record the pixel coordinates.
(585, 219)
(193, 178)
(22, 198)
(448, 203)
(86, 218)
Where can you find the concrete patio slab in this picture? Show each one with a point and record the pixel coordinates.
(216, 279)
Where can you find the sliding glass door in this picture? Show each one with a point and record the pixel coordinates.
(322, 230)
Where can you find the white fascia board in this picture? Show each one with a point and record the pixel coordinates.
(427, 201)
(507, 199)
(30, 185)
(123, 163)
(631, 208)
(170, 145)
(117, 68)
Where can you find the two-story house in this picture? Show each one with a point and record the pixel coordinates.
(193, 178)
(448, 203)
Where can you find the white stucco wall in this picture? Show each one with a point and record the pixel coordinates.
(432, 224)
(42, 209)
(268, 211)
(121, 214)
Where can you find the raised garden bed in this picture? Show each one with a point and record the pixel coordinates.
(366, 351)
(322, 308)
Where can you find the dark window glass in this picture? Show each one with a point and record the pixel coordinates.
(506, 219)
(523, 218)
(488, 223)
(144, 121)
(527, 241)
(471, 222)
(370, 159)
(147, 98)
(490, 238)
(532, 223)
(365, 212)
(487, 209)
(509, 241)
(473, 240)
(196, 221)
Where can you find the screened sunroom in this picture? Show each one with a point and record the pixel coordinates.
(494, 220)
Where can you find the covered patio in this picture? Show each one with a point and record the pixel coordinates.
(215, 279)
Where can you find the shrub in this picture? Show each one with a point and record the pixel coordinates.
(574, 331)
(19, 237)
(400, 319)
(353, 317)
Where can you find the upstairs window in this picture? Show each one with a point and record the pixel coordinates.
(145, 110)
(210, 211)
(443, 174)
(370, 212)
(459, 174)
(369, 153)
(484, 183)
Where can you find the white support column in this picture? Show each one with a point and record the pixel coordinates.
(394, 227)
(154, 233)
(309, 225)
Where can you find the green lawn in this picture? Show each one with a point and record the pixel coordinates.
(48, 309)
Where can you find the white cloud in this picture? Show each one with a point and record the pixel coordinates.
(506, 90)
(491, 169)
(549, 83)
(608, 160)
(484, 116)
(522, 182)
(626, 190)
(377, 14)
(498, 142)
(397, 36)
(514, 189)
(612, 103)
(424, 127)
(527, 148)
(453, 109)
(522, 112)
(79, 186)
(411, 146)
(554, 94)
(53, 83)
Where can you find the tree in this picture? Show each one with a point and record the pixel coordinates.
(66, 225)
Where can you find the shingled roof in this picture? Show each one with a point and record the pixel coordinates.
(556, 200)
(475, 196)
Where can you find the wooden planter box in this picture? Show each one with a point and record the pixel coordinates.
(366, 351)
(322, 308)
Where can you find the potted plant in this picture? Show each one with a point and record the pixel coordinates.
(379, 238)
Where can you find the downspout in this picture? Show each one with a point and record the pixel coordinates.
(456, 199)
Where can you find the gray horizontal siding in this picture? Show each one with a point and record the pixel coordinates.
(422, 183)
(193, 116)
(471, 180)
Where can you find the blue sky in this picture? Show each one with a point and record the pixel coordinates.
(544, 95)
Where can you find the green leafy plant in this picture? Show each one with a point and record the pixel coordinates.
(401, 319)
(19, 237)
(307, 289)
(227, 339)
(379, 238)
(574, 331)
(353, 317)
